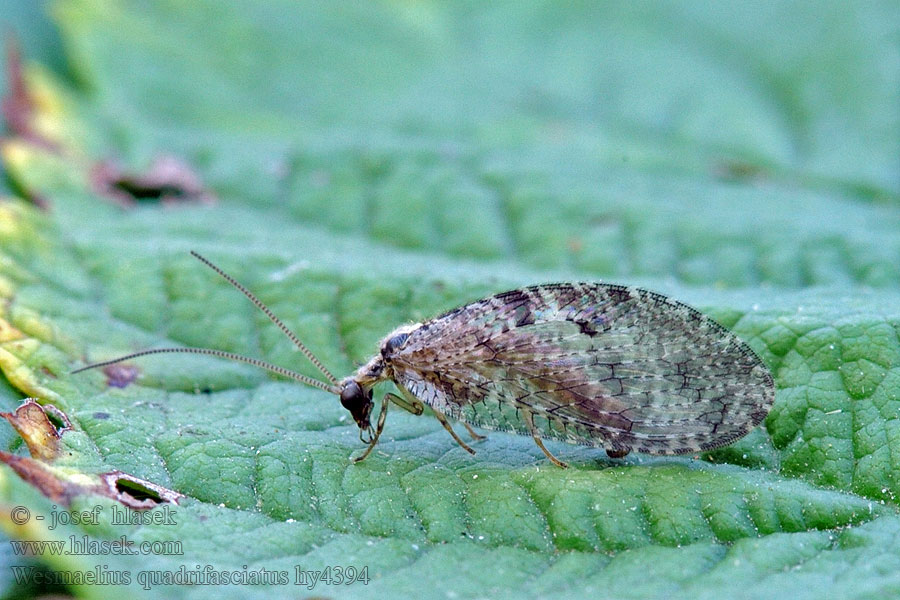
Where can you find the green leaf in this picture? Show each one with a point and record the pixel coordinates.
(376, 164)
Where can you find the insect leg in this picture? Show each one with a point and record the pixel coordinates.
(529, 420)
(378, 428)
(415, 406)
(440, 417)
(475, 436)
(408, 402)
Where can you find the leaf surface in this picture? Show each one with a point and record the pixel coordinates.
(376, 164)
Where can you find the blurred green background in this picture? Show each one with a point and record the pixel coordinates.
(361, 165)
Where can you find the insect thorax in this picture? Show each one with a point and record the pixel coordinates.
(379, 366)
(395, 340)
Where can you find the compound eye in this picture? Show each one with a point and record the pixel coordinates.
(351, 396)
(394, 343)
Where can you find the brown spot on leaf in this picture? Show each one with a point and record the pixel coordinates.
(17, 109)
(119, 375)
(18, 105)
(42, 477)
(36, 429)
(739, 171)
(135, 492)
(62, 485)
(58, 418)
(62, 488)
(168, 180)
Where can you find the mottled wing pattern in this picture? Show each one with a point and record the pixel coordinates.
(602, 365)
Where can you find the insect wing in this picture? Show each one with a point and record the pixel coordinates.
(601, 365)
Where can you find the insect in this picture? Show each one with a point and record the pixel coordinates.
(620, 368)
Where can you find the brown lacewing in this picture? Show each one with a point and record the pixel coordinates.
(620, 368)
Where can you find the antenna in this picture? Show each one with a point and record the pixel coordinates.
(291, 335)
(333, 388)
(220, 354)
